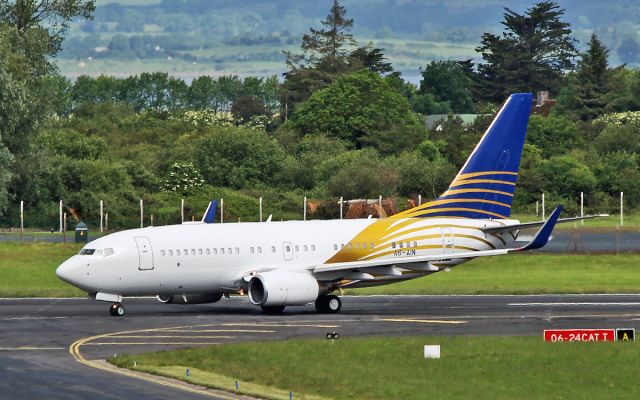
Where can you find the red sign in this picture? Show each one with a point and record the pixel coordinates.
(580, 335)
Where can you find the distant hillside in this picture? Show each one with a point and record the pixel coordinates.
(194, 37)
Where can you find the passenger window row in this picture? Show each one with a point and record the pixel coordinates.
(355, 246)
(402, 245)
(227, 251)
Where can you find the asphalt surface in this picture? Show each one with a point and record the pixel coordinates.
(36, 334)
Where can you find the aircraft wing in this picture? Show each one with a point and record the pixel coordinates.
(419, 262)
(527, 225)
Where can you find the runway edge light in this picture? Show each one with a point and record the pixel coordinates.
(432, 351)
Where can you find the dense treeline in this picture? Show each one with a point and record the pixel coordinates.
(341, 123)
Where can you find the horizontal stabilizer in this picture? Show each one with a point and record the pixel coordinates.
(542, 237)
(529, 225)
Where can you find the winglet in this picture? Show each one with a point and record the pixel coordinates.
(209, 216)
(542, 237)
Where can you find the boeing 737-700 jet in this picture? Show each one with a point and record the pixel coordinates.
(290, 263)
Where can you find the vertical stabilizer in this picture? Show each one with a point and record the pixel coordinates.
(485, 185)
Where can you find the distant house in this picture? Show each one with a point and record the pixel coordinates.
(544, 104)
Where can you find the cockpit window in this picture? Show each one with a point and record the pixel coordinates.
(87, 252)
(107, 252)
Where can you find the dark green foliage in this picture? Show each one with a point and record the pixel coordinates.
(361, 109)
(358, 174)
(567, 177)
(449, 83)
(619, 172)
(586, 95)
(237, 157)
(554, 135)
(530, 55)
(48, 17)
(422, 175)
(327, 54)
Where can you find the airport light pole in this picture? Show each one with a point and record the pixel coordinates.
(581, 207)
(621, 208)
(21, 218)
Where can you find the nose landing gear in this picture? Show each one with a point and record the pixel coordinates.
(116, 310)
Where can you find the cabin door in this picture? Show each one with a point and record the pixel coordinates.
(145, 255)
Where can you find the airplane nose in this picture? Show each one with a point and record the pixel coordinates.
(68, 272)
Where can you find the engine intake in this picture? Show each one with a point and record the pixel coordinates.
(283, 288)
(200, 298)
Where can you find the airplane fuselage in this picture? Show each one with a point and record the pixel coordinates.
(199, 258)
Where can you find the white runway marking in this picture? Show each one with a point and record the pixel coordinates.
(29, 318)
(423, 321)
(561, 304)
(30, 348)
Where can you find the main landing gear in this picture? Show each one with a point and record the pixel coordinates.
(328, 304)
(116, 310)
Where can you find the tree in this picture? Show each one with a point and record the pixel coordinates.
(357, 174)
(593, 81)
(449, 82)
(245, 107)
(324, 57)
(531, 54)
(567, 177)
(237, 157)
(371, 58)
(50, 17)
(361, 109)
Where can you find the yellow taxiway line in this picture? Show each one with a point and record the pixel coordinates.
(74, 349)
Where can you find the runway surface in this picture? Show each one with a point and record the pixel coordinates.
(36, 334)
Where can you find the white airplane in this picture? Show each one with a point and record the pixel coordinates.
(291, 263)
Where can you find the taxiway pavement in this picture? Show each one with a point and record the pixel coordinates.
(41, 340)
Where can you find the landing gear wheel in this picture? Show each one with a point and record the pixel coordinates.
(328, 304)
(272, 309)
(116, 310)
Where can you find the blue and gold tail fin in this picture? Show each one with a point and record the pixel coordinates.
(485, 185)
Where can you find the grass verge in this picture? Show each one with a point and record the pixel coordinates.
(28, 269)
(394, 368)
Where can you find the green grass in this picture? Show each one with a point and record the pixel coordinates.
(394, 368)
(28, 269)
(528, 274)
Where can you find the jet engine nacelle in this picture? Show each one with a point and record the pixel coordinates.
(283, 288)
(200, 298)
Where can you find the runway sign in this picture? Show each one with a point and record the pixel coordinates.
(580, 335)
(626, 335)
